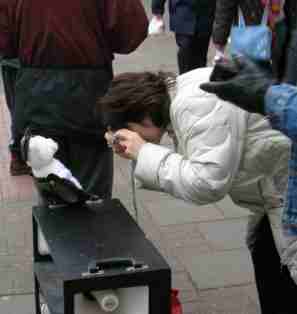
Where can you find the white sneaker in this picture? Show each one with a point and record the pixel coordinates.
(43, 306)
(44, 309)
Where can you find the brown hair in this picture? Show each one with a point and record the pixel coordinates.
(133, 96)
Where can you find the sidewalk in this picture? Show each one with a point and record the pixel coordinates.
(204, 245)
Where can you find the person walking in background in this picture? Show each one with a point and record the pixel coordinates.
(227, 14)
(282, 20)
(66, 51)
(191, 21)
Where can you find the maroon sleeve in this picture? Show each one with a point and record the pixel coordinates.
(6, 28)
(126, 24)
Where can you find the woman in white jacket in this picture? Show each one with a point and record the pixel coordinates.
(221, 150)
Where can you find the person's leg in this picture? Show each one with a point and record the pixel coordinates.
(267, 268)
(192, 51)
(275, 287)
(9, 79)
(184, 54)
(199, 49)
(91, 162)
(17, 165)
(288, 287)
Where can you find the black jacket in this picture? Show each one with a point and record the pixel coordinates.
(290, 9)
(227, 14)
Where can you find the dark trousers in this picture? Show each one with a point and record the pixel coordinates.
(9, 78)
(276, 289)
(192, 50)
(89, 160)
(59, 104)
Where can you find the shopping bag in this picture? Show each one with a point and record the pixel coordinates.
(176, 307)
(254, 41)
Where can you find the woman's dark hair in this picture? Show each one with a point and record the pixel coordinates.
(133, 96)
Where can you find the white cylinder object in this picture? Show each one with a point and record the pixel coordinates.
(107, 299)
(42, 244)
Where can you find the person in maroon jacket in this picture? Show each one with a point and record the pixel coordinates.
(66, 49)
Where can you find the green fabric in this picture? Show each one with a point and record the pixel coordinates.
(14, 63)
(60, 101)
(281, 32)
(204, 8)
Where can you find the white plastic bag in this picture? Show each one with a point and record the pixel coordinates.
(156, 26)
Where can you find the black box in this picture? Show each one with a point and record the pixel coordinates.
(97, 247)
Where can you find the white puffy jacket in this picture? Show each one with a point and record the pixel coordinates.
(221, 150)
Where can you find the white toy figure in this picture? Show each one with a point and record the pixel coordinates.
(41, 159)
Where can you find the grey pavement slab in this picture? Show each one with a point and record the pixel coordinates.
(185, 237)
(18, 304)
(155, 53)
(167, 210)
(15, 275)
(225, 235)
(226, 301)
(219, 269)
(231, 210)
(16, 247)
(15, 217)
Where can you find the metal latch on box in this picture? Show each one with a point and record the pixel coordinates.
(96, 268)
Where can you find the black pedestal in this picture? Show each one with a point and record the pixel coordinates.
(96, 247)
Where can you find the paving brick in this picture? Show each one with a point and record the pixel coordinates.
(16, 272)
(197, 249)
(230, 210)
(183, 238)
(20, 304)
(6, 282)
(225, 235)
(186, 296)
(232, 300)
(181, 281)
(219, 269)
(170, 211)
(3, 245)
(174, 261)
(23, 280)
(190, 308)
(251, 291)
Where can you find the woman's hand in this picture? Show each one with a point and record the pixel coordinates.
(127, 144)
